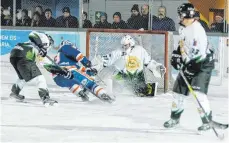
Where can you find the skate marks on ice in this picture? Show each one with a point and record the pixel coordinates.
(155, 130)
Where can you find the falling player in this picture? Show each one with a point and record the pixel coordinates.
(76, 73)
(195, 59)
(23, 58)
(134, 59)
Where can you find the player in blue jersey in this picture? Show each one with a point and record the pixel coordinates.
(76, 73)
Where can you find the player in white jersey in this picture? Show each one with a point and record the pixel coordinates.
(196, 61)
(130, 59)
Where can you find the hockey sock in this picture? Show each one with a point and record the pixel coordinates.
(206, 106)
(41, 85)
(177, 106)
(75, 89)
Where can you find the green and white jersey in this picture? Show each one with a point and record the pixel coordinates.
(194, 41)
(26, 50)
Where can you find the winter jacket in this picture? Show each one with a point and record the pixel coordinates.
(120, 25)
(87, 24)
(164, 24)
(24, 22)
(135, 22)
(102, 25)
(145, 21)
(217, 27)
(70, 22)
(49, 22)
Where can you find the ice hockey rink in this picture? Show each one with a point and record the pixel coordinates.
(129, 119)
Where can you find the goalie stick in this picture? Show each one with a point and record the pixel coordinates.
(212, 123)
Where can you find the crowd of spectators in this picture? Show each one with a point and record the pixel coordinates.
(137, 20)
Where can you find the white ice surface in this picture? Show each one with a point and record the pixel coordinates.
(129, 119)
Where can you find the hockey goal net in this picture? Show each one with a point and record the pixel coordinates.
(157, 43)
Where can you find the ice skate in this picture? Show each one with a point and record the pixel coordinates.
(44, 95)
(83, 96)
(205, 126)
(49, 102)
(15, 93)
(171, 123)
(175, 119)
(106, 98)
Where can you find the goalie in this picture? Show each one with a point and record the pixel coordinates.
(134, 59)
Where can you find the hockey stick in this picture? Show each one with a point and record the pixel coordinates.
(109, 101)
(220, 136)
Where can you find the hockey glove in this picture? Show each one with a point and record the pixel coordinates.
(92, 71)
(192, 68)
(68, 75)
(42, 52)
(176, 59)
(58, 71)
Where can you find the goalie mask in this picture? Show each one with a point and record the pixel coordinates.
(41, 40)
(127, 42)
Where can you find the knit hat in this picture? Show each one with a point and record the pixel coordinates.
(118, 14)
(103, 14)
(135, 7)
(66, 9)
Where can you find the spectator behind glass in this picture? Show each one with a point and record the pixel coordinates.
(118, 22)
(203, 23)
(8, 18)
(86, 23)
(49, 21)
(218, 25)
(136, 20)
(3, 21)
(103, 22)
(36, 20)
(145, 16)
(67, 20)
(25, 19)
(162, 22)
(39, 9)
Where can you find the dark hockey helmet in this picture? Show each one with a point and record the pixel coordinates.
(186, 10)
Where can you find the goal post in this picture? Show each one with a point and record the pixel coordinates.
(157, 43)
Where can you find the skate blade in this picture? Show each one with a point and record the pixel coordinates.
(16, 99)
(55, 104)
(178, 126)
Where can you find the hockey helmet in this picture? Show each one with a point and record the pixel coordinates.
(41, 40)
(186, 10)
(126, 40)
(67, 42)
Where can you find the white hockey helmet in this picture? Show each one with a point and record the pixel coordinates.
(127, 41)
(41, 40)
